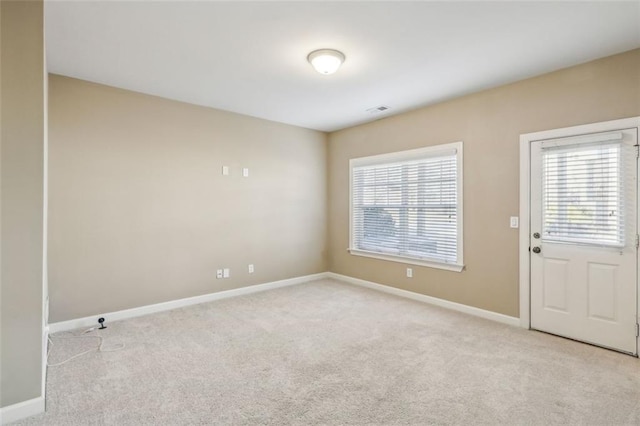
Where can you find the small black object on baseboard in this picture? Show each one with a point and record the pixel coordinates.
(101, 321)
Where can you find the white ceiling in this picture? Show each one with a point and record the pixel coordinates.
(250, 57)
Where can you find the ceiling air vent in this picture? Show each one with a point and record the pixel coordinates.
(378, 109)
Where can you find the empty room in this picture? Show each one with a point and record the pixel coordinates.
(319, 213)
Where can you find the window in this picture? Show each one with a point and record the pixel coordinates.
(407, 206)
(582, 191)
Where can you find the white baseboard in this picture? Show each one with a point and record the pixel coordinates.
(179, 303)
(21, 410)
(494, 316)
(174, 304)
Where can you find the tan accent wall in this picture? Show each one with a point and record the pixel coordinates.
(489, 123)
(140, 213)
(22, 162)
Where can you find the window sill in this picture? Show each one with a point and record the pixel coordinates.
(391, 258)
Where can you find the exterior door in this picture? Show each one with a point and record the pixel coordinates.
(583, 242)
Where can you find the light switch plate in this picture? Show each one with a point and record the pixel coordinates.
(251, 269)
(514, 222)
(226, 273)
(225, 170)
(245, 172)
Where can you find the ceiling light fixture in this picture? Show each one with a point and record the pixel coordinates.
(326, 61)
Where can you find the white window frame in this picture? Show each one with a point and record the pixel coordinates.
(414, 154)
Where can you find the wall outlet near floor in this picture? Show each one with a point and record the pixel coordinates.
(219, 273)
(251, 269)
(409, 273)
(226, 272)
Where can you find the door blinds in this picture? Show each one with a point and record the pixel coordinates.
(584, 193)
(407, 208)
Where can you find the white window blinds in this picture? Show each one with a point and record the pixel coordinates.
(583, 192)
(409, 207)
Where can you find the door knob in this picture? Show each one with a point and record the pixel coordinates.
(536, 249)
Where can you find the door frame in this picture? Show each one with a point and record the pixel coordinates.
(525, 209)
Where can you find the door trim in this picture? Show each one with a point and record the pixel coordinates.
(525, 208)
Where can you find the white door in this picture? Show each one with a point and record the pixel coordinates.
(583, 240)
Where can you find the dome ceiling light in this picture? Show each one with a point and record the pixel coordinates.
(326, 61)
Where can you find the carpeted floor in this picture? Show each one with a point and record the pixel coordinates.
(331, 353)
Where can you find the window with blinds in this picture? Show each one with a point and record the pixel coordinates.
(408, 206)
(583, 192)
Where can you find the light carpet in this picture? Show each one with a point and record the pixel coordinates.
(332, 353)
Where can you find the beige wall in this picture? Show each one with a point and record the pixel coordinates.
(22, 161)
(139, 212)
(489, 123)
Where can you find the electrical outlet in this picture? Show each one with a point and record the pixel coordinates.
(245, 172)
(409, 273)
(251, 269)
(219, 273)
(226, 272)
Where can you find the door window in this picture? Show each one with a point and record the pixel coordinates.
(583, 193)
